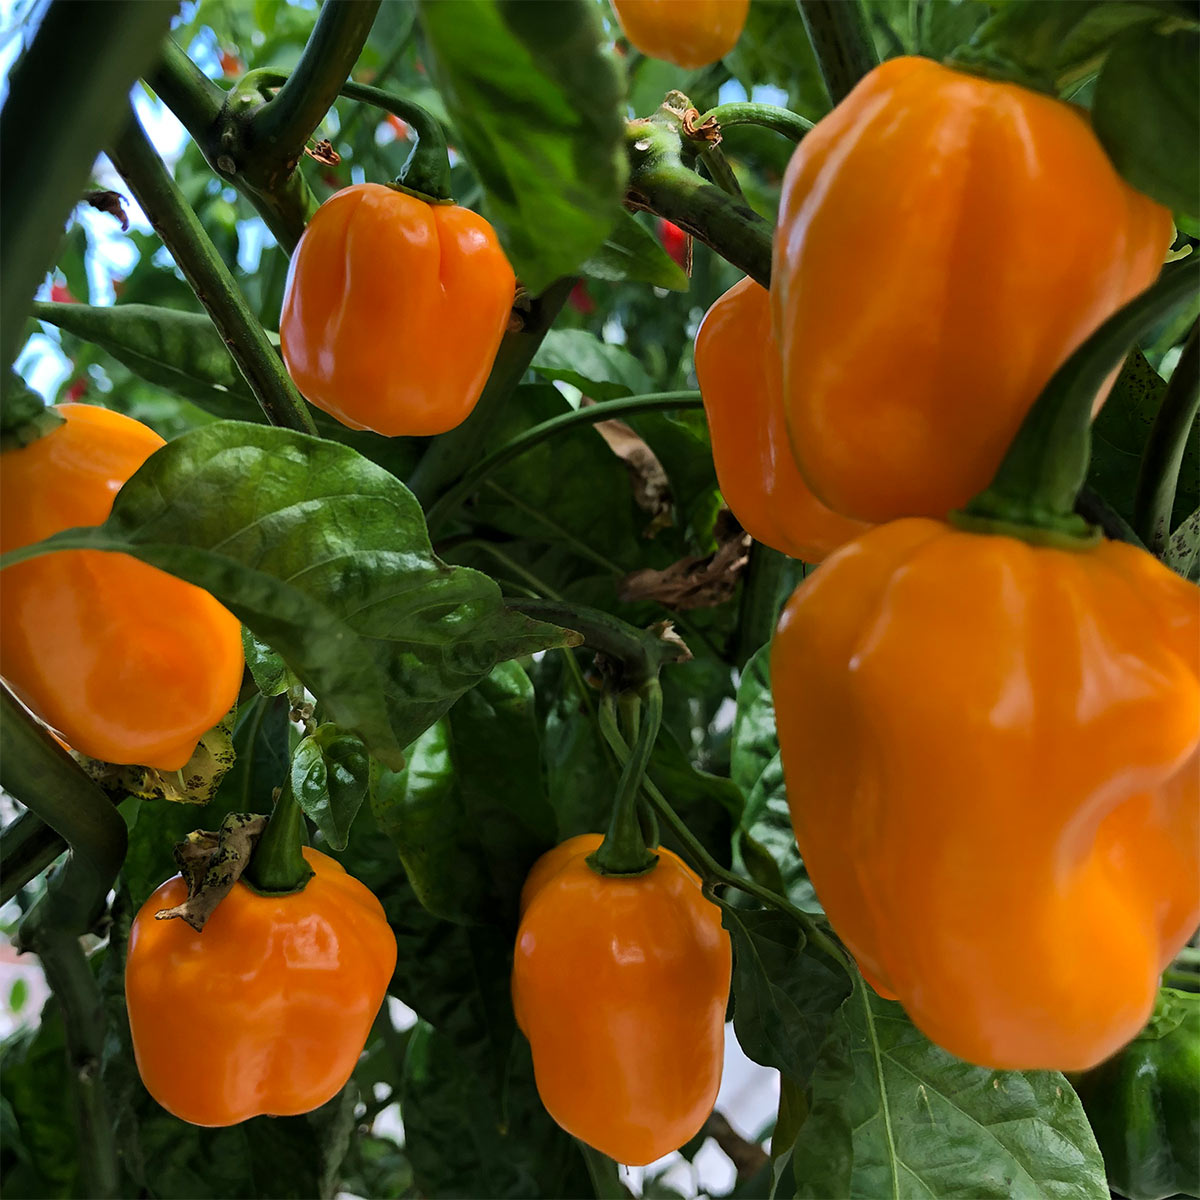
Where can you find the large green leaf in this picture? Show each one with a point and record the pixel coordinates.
(1146, 111)
(536, 103)
(786, 992)
(469, 812)
(893, 1115)
(326, 558)
(330, 775)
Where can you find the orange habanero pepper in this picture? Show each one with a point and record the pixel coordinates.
(394, 310)
(943, 243)
(688, 33)
(737, 364)
(267, 1010)
(991, 755)
(126, 662)
(620, 985)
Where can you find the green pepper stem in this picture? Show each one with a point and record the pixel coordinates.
(624, 850)
(841, 41)
(200, 105)
(659, 182)
(282, 127)
(177, 224)
(277, 866)
(443, 508)
(1033, 493)
(766, 116)
(27, 847)
(712, 871)
(638, 654)
(1158, 477)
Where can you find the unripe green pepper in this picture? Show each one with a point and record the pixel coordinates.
(1144, 1104)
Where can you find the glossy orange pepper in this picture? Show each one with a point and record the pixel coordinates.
(737, 364)
(991, 755)
(943, 243)
(126, 662)
(266, 1010)
(620, 985)
(688, 33)
(394, 310)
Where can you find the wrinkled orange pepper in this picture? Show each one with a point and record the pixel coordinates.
(992, 756)
(126, 662)
(394, 310)
(620, 985)
(688, 33)
(737, 365)
(267, 1009)
(943, 243)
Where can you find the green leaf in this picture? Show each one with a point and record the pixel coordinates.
(260, 738)
(1183, 548)
(536, 103)
(765, 840)
(330, 773)
(581, 359)
(786, 992)
(894, 1115)
(326, 558)
(459, 1144)
(632, 254)
(469, 812)
(181, 352)
(1146, 112)
(270, 673)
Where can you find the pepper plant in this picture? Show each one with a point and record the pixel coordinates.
(467, 647)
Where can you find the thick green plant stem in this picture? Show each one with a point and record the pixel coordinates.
(214, 285)
(634, 656)
(767, 116)
(280, 129)
(841, 41)
(448, 456)
(1158, 476)
(760, 601)
(710, 870)
(624, 850)
(659, 182)
(66, 98)
(277, 867)
(1033, 493)
(41, 775)
(259, 142)
(426, 170)
(210, 115)
(449, 501)
(27, 847)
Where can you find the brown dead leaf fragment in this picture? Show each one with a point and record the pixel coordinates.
(324, 153)
(112, 203)
(651, 488)
(692, 582)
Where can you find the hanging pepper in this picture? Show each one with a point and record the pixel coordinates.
(266, 1009)
(394, 310)
(126, 662)
(620, 984)
(990, 730)
(943, 243)
(688, 33)
(737, 365)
